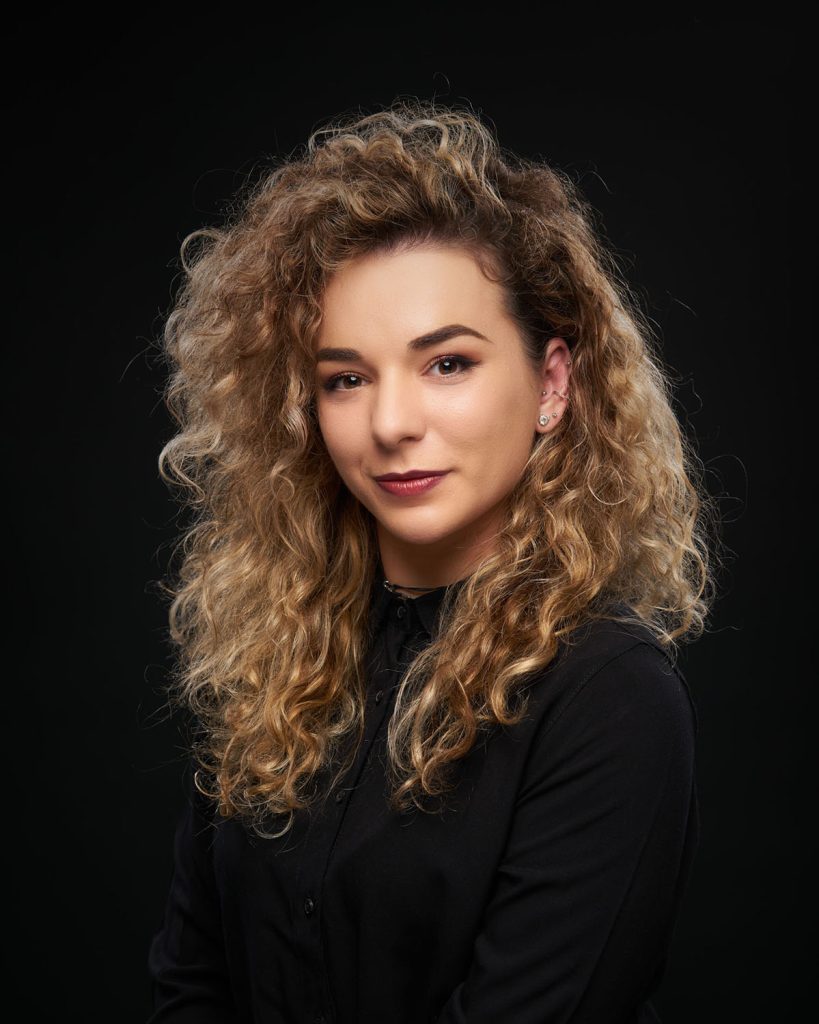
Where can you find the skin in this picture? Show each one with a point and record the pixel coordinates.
(400, 409)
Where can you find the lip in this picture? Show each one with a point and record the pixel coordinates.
(412, 474)
(409, 485)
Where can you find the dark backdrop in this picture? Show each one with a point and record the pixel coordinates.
(126, 136)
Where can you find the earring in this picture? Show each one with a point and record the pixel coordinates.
(544, 419)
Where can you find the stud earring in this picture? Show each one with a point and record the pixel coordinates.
(544, 419)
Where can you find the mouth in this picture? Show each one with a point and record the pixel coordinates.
(413, 474)
(408, 483)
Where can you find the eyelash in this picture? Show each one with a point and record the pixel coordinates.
(329, 384)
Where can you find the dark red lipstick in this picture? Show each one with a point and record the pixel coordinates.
(414, 481)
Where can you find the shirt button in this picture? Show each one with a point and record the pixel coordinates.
(309, 906)
(339, 796)
(400, 611)
(378, 696)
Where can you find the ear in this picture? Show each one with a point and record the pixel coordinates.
(554, 385)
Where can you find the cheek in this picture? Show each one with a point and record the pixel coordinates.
(494, 421)
(338, 434)
(497, 448)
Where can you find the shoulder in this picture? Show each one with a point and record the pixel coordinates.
(613, 708)
(617, 672)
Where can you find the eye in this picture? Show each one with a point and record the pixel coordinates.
(330, 384)
(467, 364)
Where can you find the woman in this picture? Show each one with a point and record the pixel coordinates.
(443, 766)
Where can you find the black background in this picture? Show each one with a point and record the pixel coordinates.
(126, 136)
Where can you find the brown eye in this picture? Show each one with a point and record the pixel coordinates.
(330, 385)
(466, 363)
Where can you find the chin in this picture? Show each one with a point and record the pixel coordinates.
(436, 533)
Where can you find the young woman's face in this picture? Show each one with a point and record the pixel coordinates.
(465, 406)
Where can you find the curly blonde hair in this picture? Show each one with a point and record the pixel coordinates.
(269, 606)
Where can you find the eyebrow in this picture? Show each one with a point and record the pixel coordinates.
(441, 334)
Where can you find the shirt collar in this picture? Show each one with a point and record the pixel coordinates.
(427, 605)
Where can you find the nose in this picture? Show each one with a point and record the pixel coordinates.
(397, 411)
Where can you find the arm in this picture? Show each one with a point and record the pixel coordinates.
(579, 921)
(186, 961)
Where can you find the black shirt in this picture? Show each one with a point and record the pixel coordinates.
(546, 892)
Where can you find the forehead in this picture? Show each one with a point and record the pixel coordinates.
(407, 293)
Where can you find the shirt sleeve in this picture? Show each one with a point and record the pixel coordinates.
(577, 927)
(186, 960)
